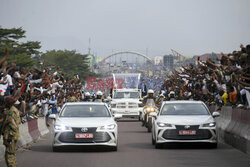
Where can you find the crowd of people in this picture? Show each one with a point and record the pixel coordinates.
(223, 83)
(35, 92)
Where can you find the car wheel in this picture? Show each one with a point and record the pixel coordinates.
(55, 149)
(114, 148)
(159, 145)
(213, 145)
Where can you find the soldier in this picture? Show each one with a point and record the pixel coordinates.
(72, 98)
(10, 131)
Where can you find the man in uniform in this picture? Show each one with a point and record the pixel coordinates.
(150, 96)
(98, 97)
(10, 131)
(72, 98)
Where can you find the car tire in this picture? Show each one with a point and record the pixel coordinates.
(114, 148)
(55, 149)
(159, 145)
(213, 145)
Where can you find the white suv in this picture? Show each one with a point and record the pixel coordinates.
(126, 102)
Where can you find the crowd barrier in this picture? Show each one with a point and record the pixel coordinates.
(29, 132)
(234, 128)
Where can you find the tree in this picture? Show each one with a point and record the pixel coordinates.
(70, 63)
(20, 52)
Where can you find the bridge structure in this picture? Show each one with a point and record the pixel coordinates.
(126, 52)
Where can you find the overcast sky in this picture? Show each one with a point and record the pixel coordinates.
(191, 27)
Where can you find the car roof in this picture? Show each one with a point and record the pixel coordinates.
(84, 103)
(184, 102)
(126, 90)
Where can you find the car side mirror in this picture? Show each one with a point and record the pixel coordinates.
(140, 104)
(216, 114)
(117, 116)
(52, 116)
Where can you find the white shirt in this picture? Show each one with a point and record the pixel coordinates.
(8, 81)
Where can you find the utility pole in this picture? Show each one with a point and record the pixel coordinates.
(89, 46)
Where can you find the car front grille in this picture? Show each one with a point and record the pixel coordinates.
(121, 106)
(173, 134)
(99, 137)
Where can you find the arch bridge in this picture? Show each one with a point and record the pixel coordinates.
(128, 52)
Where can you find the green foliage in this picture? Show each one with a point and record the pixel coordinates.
(70, 63)
(18, 52)
(27, 54)
(22, 60)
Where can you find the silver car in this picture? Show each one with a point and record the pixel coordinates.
(85, 123)
(184, 121)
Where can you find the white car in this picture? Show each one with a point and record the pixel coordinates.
(184, 121)
(85, 123)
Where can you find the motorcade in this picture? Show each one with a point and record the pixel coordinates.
(85, 123)
(184, 121)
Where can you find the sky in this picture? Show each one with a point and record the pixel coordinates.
(152, 27)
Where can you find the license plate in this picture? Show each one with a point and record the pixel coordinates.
(84, 135)
(187, 132)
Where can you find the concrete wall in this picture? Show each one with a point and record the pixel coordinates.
(234, 128)
(29, 132)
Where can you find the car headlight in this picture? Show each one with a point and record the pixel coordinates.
(113, 105)
(62, 128)
(108, 127)
(160, 124)
(211, 124)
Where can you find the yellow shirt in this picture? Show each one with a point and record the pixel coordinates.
(224, 98)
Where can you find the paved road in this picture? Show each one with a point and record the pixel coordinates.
(134, 150)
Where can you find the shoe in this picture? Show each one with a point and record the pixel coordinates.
(240, 106)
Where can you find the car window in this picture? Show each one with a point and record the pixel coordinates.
(85, 111)
(184, 109)
(120, 95)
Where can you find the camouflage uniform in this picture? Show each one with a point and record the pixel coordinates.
(10, 130)
(72, 99)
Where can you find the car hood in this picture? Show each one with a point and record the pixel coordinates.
(85, 122)
(185, 120)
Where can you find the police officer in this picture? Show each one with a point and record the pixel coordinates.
(150, 95)
(172, 96)
(10, 131)
(98, 97)
(87, 97)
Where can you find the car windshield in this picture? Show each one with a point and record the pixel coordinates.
(184, 109)
(85, 111)
(120, 95)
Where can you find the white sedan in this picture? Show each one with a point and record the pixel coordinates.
(184, 121)
(85, 123)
